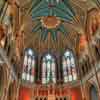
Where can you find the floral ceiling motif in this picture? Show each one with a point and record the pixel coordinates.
(50, 15)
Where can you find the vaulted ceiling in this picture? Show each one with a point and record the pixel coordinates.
(54, 25)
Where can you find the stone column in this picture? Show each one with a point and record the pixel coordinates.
(17, 90)
(7, 88)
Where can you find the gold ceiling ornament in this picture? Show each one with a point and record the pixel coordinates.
(50, 22)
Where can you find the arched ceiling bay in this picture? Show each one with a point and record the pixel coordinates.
(54, 24)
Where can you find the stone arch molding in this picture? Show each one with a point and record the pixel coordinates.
(7, 74)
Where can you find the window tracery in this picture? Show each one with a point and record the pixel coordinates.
(69, 70)
(48, 69)
(29, 66)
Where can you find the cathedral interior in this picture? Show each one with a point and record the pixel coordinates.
(49, 50)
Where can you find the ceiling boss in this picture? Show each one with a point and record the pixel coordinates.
(50, 16)
(50, 22)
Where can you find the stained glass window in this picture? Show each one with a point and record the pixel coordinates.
(48, 69)
(29, 66)
(69, 70)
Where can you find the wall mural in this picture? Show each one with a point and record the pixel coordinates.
(69, 70)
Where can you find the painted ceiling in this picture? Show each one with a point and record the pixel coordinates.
(53, 24)
(50, 15)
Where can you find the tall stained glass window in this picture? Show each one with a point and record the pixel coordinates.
(69, 67)
(29, 66)
(48, 69)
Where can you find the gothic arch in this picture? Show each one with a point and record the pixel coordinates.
(69, 66)
(48, 68)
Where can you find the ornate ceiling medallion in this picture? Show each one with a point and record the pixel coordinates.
(50, 22)
(50, 16)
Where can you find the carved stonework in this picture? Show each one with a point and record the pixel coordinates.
(19, 44)
(50, 22)
(2, 35)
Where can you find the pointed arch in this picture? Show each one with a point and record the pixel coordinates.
(48, 69)
(69, 66)
(29, 66)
